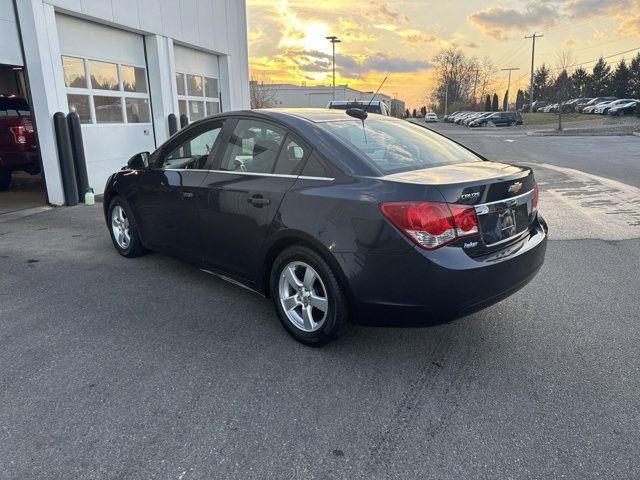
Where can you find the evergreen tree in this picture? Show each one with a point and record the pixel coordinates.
(423, 110)
(494, 103)
(634, 77)
(414, 113)
(519, 100)
(487, 104)
(407, 113)
(505, 101)
(561, 90)
(620, 80)
(600, 79)
(580, 82)
(541, 83)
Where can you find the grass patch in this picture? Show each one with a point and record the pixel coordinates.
(552, 118)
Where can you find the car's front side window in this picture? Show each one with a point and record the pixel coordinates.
(194, 151)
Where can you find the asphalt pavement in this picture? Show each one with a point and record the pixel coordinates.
(151, 369)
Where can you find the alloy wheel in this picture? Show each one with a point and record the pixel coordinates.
(303, 296)
(120, 227)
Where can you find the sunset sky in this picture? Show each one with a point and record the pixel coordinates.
(399, 38)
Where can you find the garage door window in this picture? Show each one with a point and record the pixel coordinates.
(198, 95)
(106, 92)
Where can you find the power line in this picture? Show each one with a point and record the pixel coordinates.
(592, 61)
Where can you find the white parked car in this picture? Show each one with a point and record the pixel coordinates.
(604, 109)
(430, 117)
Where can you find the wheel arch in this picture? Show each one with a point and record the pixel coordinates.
(289, 239)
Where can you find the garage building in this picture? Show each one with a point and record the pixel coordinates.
(123, 66)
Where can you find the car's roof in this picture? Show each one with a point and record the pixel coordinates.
(316, 115)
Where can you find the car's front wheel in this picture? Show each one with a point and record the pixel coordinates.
(308, 296)
(123, 229)
(5, 178)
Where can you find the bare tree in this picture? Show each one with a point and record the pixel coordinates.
(562, 85)
(461, 77)
(262, 91)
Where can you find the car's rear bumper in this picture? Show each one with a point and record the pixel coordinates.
(13, 159)
(422, 287)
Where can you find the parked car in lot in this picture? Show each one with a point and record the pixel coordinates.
(603, 109)
(572, 105)
(592, 108)
(628, 108)
(538, 105)
(431, 117)
(376, 106)
(18, 148)
(332, 219)
(498, 119)
(586, 107)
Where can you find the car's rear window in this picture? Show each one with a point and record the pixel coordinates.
(14, 107)
(394, 146)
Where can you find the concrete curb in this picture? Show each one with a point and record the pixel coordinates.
(580, 133)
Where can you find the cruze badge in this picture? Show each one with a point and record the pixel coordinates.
(467, 196)
(515, 188)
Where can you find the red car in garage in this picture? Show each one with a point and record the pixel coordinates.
(18, 149)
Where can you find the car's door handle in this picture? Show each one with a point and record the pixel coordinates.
(258, 201)
(186, 195)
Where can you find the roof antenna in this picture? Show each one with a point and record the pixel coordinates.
(374, 95)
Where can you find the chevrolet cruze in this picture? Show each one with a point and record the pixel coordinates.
(336, 216)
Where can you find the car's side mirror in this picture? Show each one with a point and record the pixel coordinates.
(140, 161)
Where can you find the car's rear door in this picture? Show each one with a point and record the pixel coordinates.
(170, 190)
(244, 189)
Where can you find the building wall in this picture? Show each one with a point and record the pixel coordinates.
(164, 36)
(301, 96)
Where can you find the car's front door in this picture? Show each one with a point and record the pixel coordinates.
(245, 187)
(171, 189)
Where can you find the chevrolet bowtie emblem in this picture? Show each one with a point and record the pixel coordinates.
(515, 188)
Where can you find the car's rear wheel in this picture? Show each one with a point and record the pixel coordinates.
(308, 296)
(5, 178)
(123, 229)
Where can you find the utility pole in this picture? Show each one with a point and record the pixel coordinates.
(533, 53)
(333, 39)
(509, 84)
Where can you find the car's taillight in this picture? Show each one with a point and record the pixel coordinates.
(535, 197)
(19, 135)
(431, 224)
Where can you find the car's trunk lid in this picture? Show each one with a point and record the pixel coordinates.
(501, 194)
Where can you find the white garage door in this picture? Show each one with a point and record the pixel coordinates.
(10, 51)
(197, 82)
(105, 75)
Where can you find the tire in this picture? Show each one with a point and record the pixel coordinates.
(123, 229)
(511, 124)
(620, 113)
(317, 327)
(5, 178)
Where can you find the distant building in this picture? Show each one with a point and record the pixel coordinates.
(303, 96)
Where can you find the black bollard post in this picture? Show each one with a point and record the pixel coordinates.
(79, 159)
(173, 124)
(184, 120)
(65, 156)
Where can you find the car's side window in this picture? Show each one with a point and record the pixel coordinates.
(193, 153)
(291, 157)
(314, 168)
(253, 147)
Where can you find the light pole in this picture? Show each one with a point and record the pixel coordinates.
(446, 98)
(333, 39)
